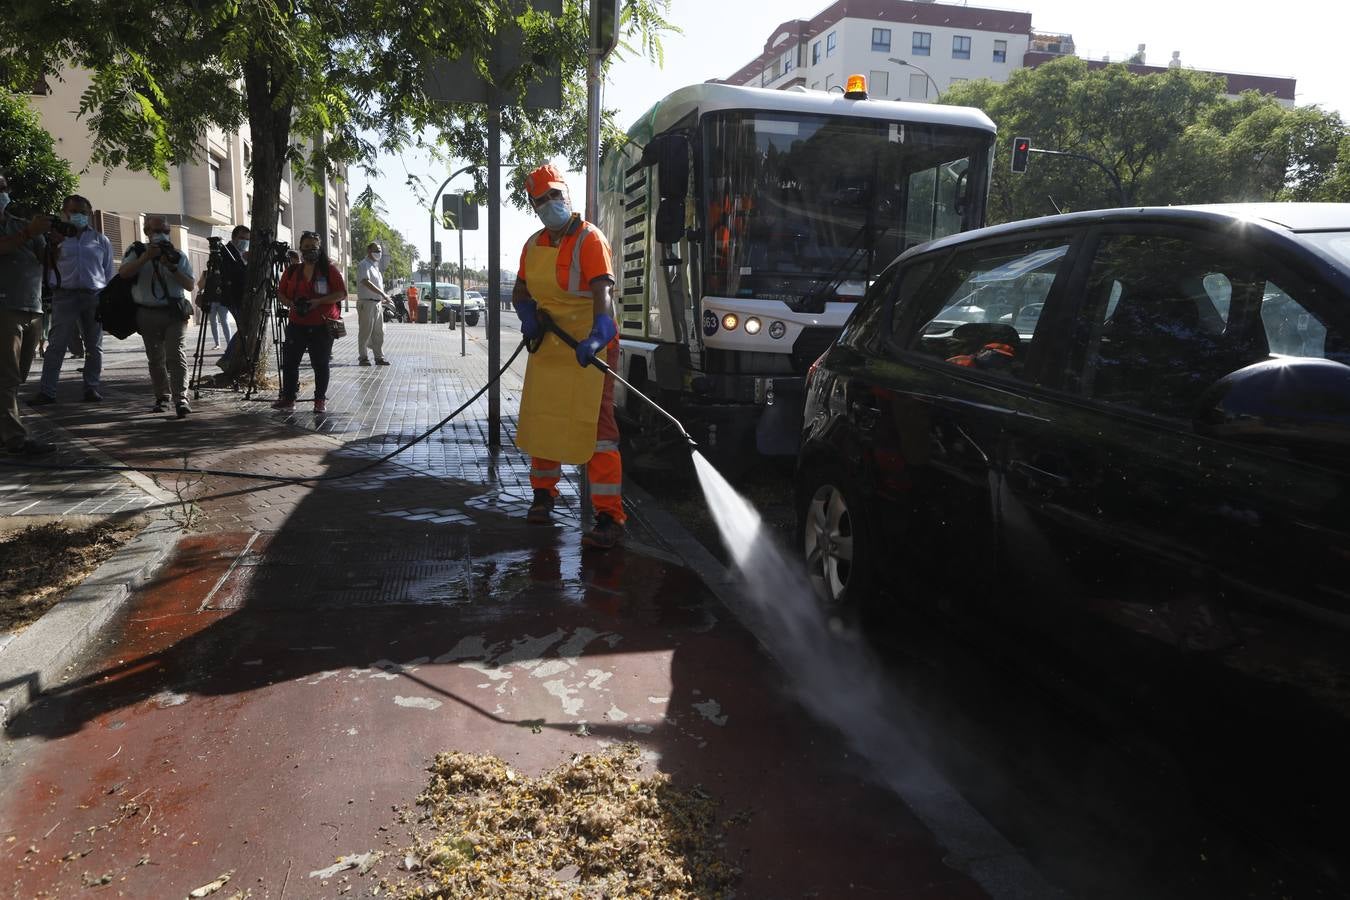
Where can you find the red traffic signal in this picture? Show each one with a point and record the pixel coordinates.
(1021, 151)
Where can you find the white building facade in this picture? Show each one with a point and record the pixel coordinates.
(205, 197)
(942, 44)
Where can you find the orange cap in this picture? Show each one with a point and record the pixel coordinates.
(544, 179)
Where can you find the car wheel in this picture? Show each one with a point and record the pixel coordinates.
(833, 536)
(471, 318)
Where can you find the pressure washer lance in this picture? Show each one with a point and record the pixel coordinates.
(547, 324)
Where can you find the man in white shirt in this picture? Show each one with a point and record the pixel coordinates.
(163, 281)
(369, 309)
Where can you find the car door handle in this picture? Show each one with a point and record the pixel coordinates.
(1039, 476)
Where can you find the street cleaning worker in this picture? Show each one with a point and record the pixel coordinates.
(567, 407)
(411, 294)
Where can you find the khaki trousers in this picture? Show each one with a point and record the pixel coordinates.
(162, 330)
(18, 341)
(370, 328)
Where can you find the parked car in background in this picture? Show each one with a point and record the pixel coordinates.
(1124, 432)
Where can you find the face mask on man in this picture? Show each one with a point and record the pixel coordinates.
(4, 199)
(311, 255)
(241, 244)
(79, 220)
(555, 213)
(376, 254)
(160, 237)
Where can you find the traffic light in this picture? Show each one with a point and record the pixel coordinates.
(1021, 149)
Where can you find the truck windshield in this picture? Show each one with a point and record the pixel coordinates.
(808, 208)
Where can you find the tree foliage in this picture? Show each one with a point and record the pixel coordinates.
(368, 224)
(318, 82)
(1170, 138)
(38, 179)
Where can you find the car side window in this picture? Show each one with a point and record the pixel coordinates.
(1165, 317)
(982, 309)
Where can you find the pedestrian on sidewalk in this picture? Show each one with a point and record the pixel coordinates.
(22, 250)
(411, 294)
(567, 405)
(370, 297)
(233, 277)
(162, 276)
(84, 266)
(313, 291)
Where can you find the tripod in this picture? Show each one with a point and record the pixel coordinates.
(273, 316)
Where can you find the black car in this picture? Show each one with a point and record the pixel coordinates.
(1127, 431)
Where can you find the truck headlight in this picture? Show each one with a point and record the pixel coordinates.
(730, 321)
(777, 330)
(752, 325)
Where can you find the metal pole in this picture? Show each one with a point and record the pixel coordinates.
(463, 326)
(593, 84)
(494, 312)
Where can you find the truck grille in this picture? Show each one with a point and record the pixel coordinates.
(810, 344)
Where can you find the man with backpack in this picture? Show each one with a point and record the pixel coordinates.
(162, 276)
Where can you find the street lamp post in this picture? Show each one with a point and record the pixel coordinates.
(435, 198)
(903, 62)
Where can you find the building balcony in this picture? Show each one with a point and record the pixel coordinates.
(222, 206)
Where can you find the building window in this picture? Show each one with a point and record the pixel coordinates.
(831, 43)
(881, 40)
(960, 47)
(764, 78)
(923, 43)
(788, 62)
(918, 87)
(815, 53)
(215, 174)
(879, 83)
(1000, 51)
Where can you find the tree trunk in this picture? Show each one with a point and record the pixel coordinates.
(270, 130)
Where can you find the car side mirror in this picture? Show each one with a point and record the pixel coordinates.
(1292, 400)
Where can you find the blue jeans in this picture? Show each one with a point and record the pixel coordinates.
(218, 313)
(73, 311)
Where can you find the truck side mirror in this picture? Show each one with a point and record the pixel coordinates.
(669, 153)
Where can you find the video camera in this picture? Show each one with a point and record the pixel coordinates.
(65, 229)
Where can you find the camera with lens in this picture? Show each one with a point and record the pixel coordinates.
(63, 228)
(169, 253)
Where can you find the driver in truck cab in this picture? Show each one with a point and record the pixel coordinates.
(567, 406)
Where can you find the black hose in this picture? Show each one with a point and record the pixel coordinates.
(278, 479)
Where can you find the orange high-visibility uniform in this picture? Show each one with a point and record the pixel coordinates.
(583, 255)
(411, 294)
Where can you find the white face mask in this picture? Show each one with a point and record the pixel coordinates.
(242, 244)
(4, 199)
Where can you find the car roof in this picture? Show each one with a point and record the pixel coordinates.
(1276, 217)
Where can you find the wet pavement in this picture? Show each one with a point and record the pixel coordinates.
(269, 700)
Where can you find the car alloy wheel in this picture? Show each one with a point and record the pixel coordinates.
(828, 536)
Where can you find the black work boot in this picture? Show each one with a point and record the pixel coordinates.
(606, 533)
(541, 508)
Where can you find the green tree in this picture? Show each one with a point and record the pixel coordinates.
(368, 224)
(38, 179)
(345, 77)
(1169, 138)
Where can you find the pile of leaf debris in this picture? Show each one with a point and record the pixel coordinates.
(42, 563)
(592, 828)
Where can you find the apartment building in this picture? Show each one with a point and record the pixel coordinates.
(940, 45)
(206, 197)
(936, 45)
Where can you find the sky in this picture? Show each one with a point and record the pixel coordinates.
(1299, 38)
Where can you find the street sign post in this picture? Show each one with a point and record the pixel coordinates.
(460, 81)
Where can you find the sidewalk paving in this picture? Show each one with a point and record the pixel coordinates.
(279, 687)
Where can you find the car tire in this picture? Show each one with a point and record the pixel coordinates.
(471, 318)
(833, 537)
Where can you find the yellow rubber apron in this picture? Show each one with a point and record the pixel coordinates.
(560, 406)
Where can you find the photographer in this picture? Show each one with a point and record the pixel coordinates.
(311, 291)
(84, 266)
(22, 249)
(162, 276)
(234, 268)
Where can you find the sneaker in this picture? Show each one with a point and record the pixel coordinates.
(30, 447)
(215, 346)
(381, 362)
(41, 400)
(284, 403)
(363, 362)
(320, 406)
(92, 396)
(606, 533)
(541, 508)
(161, 404)
(182, 409)
(74, 355)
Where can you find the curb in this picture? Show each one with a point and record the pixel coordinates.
(40, 655)
(973, 845)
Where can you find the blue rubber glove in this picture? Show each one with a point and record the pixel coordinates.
(529, 322)
(601, 334)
